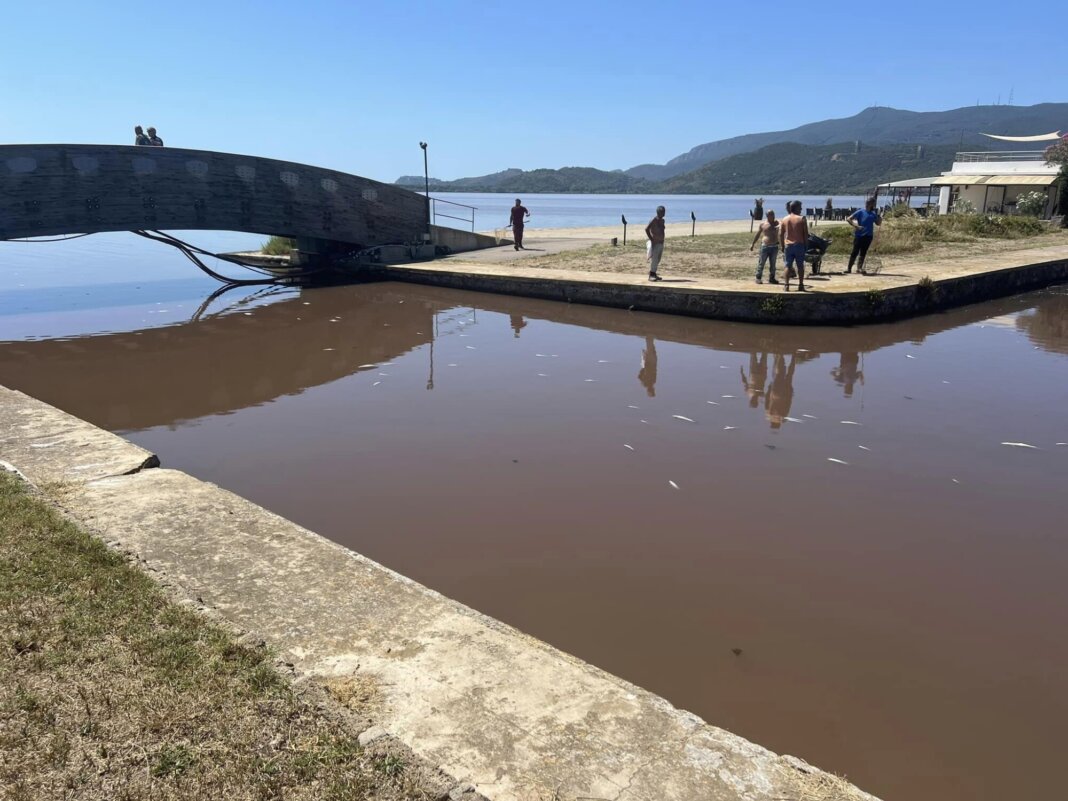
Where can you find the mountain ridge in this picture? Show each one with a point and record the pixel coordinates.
(873, 127)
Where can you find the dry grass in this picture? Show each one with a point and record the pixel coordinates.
(109, 690)
(899, 245)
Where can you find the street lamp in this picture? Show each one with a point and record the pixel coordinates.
(426, 180)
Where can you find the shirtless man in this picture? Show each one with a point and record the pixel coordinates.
(794, 236)
(769, 248)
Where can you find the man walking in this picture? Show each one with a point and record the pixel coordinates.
(519, 215)
(863, 222)
(154, 140)
(769, 248)
(654, 248)
(794, 236)
(139, 136)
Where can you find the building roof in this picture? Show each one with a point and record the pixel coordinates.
(995, 180)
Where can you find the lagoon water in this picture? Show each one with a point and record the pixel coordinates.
(813, 537)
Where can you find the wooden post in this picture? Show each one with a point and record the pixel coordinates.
(693, 228)
(624, 217)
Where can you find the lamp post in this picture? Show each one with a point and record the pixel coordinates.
(426, 181)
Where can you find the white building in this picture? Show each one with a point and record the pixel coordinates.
(990, 181)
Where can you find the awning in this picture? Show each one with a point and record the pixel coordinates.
(914, 183)
(1050, 137)
(996, 180)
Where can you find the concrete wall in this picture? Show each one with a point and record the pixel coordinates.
(837, 308)
(48, 190)
(461, 241)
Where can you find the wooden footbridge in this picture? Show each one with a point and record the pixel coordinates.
(54, 190)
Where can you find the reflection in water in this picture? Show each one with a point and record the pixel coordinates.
(756, 380)
(865, 612)
(781, 394)
(848, 372)
(647, 373)
(517, 322)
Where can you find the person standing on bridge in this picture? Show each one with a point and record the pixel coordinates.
(139, 136)
(153, 139)
(519, 215)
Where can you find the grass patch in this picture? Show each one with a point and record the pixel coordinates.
(278, 246)
(109, 690)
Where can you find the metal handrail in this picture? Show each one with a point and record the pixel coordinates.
(434, 207)
(1001, 155)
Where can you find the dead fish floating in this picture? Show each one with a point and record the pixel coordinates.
(680, 417)
(729, 428)
(1020, 445)
(810, 416)
(628, 447)
(850, 423)
(793, 420)
(673, 484)
(836, 461)
(864, 447)
(714, 403)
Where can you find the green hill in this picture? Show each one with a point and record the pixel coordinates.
(879, 125)
(790, 168)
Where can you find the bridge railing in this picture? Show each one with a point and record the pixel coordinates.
(453, 211)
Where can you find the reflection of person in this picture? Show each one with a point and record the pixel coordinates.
(769, 248)
(153, 139)
(863, 222)
(655, 233)
(794, 236)
(781, 394)
(518, 216)
(847, 372)
(517, 322)
(647, 375)
(139, 136)
(758, 378)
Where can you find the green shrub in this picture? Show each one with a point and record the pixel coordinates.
(926, 290)
(874, 298)
(963, 206)
(1031, 204)
(773, 306)
(278, 246)
(900, 210)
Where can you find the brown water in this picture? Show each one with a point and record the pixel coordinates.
(898, 618)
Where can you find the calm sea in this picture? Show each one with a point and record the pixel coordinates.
(578, 211)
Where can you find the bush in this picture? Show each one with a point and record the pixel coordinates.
(278, 246)
(1031, 204)
(963, 206)
(900, 210)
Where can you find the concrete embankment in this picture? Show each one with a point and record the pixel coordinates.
(722, 300)
(513, 716)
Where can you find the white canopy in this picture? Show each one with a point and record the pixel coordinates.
(1050, 137)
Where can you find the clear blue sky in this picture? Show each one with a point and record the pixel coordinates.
(356, 85)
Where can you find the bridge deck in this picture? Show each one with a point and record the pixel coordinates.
(57, 189)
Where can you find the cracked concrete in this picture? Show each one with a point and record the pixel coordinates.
(516, 718)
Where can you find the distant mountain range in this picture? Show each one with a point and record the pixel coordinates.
(845, 155)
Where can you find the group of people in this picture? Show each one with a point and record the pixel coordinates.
(151, 139)
(791, 237)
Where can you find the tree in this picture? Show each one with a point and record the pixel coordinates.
(1058, 154)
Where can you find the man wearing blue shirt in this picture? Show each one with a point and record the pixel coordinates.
(863, 223)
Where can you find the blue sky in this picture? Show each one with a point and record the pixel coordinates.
(355, 86)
